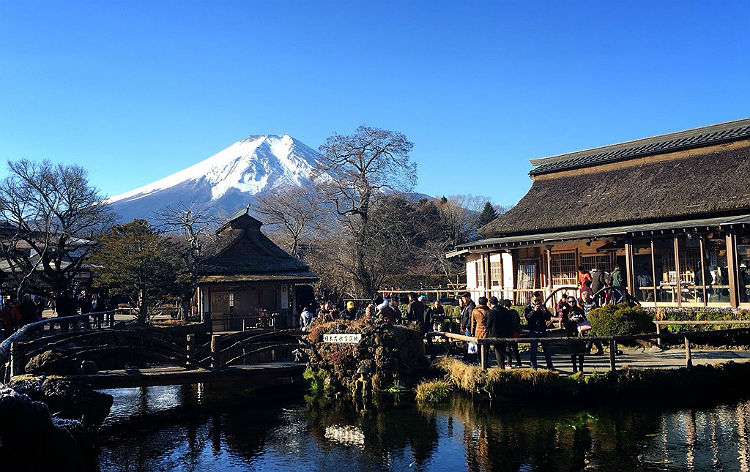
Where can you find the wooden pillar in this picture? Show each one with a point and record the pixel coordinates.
(688, 354)
(16, 359)
(215, 354)
(732, 269)
(629, 267)
(548, 251)
(483, 355)
(189, 350)
(612, 353)
(502, 276)
(678, 277)
(653, 269)
(703, 268)
(488, 277)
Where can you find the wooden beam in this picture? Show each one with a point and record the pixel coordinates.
(653, 270)
(678, 278)
(548, 250)
(488, 277)
(629, 267)
(733, 269)
(703, 268)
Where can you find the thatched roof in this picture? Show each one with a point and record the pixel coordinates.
(704, 182)
(654, 145)
(241, 248)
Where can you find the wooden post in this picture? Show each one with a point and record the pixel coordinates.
(488, 277)
(189, 349)
(653, 269)
(111, 318)
(16, 359)
(658, 334)
(548, 250)
(483, 355)
(502, 277)
(703, 269)
(612, 352)
(677, 275)
(629, 267)
(244, 324)
(215, 365)
(732, 269)
(688, 354)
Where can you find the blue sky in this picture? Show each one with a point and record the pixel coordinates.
(134, 91)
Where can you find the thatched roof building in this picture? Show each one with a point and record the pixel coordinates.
(597, 207)
(244, 279)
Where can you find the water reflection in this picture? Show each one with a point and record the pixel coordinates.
(200, 428)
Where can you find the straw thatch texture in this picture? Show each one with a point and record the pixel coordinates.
(710, 184)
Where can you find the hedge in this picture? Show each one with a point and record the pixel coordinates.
(620, 320)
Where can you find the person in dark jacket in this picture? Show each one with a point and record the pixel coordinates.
(415, 311)
(572, 316)
(516, 321)
(500, 324)
(350, 313)
(598, 282)
(537, 316)
(28, 310)
(467, 308)
(436, 314)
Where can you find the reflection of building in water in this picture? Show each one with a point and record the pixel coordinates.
(695, 440)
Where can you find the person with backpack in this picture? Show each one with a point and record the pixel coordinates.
(499, 325)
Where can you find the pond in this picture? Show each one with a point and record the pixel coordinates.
(191, 428)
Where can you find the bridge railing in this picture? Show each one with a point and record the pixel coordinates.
(11, 359)
(612, 341)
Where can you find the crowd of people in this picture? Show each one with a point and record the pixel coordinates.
(15, 314)
(418, 311)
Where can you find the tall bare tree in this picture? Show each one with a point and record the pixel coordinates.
(53, 220)
(196, 228)
(355, 170)
(291, 208)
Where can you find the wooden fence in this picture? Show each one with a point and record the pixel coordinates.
(687, 337)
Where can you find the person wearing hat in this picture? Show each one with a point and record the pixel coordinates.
(350, 313)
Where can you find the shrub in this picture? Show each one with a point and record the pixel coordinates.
(701, 314)
(436, 391)
(620, 320)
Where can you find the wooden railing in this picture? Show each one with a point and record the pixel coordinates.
(611, 341)
(11, 357)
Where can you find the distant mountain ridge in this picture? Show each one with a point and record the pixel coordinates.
(225, 182)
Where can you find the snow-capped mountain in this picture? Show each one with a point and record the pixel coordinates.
(225, 182)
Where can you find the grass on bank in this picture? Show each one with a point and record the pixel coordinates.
(528, 383)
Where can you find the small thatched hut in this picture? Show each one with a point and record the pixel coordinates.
(673, 211)
(247, 280)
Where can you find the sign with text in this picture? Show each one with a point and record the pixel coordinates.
(342, 338)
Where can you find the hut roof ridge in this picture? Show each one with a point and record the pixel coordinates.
(675, 141)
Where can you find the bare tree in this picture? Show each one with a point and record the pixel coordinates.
(53, 220)
(354, 171)
(196, 228)
(290, 207)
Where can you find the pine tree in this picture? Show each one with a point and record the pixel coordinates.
(488, 214)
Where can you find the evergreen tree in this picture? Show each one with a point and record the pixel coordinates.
(488, 214)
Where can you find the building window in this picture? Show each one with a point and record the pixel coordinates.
(564, 268)
(480, 273)
(495, 272)
(598, 261)
(717, 269)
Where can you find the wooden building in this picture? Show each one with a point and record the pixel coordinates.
(247, 280)
(672, 210)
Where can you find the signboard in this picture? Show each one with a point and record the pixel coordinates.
(342, 338)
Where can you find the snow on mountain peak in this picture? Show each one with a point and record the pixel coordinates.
(250, 166)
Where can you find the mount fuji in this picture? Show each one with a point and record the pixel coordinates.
(225, 182)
